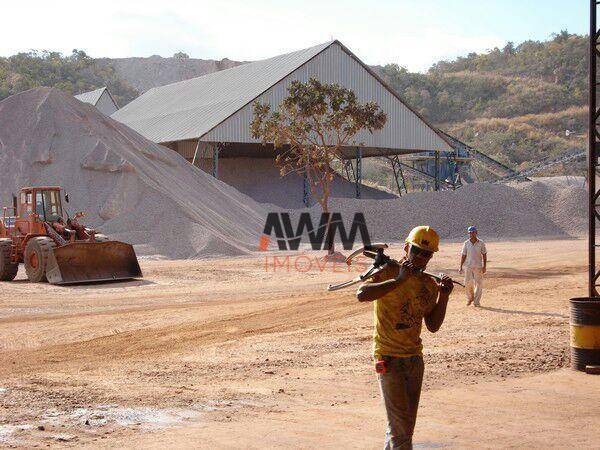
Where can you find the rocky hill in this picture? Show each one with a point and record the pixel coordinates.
(146, 73)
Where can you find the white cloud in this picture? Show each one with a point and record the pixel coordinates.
(398, 32)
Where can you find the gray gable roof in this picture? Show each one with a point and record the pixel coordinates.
(216, 107)
(91, 97)
(189, 109)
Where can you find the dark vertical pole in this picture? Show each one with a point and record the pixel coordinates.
(437, 171)
(358, 171)
(592, 157)
(216, 161)
(196, 153)
(349, 167)
(452, 165)
(306, 194)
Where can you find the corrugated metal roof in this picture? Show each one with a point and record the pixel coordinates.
(91, 97)
(188, 109)
(215, 107)
(404, 132)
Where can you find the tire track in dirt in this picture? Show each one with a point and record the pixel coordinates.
(297, 312)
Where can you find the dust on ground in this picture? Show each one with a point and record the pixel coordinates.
(228, 353)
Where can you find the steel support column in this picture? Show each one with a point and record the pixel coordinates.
(215, 170)
(358, 173)
(395, 171)
(436, 185)
(593, 151)
(398, 173)
(402, 176)
(196, 153)
(349, 167)
(453, 168)
(306, 194)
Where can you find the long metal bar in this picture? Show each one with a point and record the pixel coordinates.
(403, 179)
(358, 174)
(592, 155)
(216, 161)
(421, 174)
(437, 171)
(542, 165)
(306, 193)
(196, 153)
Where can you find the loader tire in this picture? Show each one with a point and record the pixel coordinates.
(36, 258)
(8, 270)
(101, 237)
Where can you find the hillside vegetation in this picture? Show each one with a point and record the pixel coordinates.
(519, 104)
(75, 73)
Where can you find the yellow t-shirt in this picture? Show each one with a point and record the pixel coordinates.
(398, 315)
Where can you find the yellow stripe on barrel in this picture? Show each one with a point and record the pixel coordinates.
(585, 336)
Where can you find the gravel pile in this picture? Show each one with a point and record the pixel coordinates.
(143, 193)
(130, 188)
(562, 199)
(542, 208)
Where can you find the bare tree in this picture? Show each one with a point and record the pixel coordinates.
(311, 128)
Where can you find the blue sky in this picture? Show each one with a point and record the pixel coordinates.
(410, 33)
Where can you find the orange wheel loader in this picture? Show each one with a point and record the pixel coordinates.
(34, 232)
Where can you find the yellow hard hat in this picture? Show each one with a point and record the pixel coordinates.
(424, 237)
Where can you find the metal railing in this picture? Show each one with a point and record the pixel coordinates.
(542, 165)
(9, 222)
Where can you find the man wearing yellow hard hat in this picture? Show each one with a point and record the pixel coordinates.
(403, 296)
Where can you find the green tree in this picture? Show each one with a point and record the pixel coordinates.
(311, 128)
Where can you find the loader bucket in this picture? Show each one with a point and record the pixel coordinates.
(83, 262)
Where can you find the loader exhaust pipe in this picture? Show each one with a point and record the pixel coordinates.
(83, 262)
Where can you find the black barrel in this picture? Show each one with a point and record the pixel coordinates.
(585, 332)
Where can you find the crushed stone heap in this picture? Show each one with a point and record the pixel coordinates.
(554, 207)
(130, 188)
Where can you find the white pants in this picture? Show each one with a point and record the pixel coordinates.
(474, 284)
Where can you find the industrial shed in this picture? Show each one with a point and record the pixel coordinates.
(207, 120)
(101, 99)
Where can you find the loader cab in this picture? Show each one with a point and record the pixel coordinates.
(45, 202)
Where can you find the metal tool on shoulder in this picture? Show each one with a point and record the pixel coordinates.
(380, 260)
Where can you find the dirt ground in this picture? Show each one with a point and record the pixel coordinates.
(238, 353)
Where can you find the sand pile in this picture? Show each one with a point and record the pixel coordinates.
(130, 188)
(543, 208)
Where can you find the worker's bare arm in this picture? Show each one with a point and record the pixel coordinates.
(484, 268)
(371, 292)
(463, 258)
(393, 276)
(435, 318)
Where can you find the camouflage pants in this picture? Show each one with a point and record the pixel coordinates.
(401, 390)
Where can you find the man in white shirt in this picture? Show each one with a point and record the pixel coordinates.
(474, 257)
